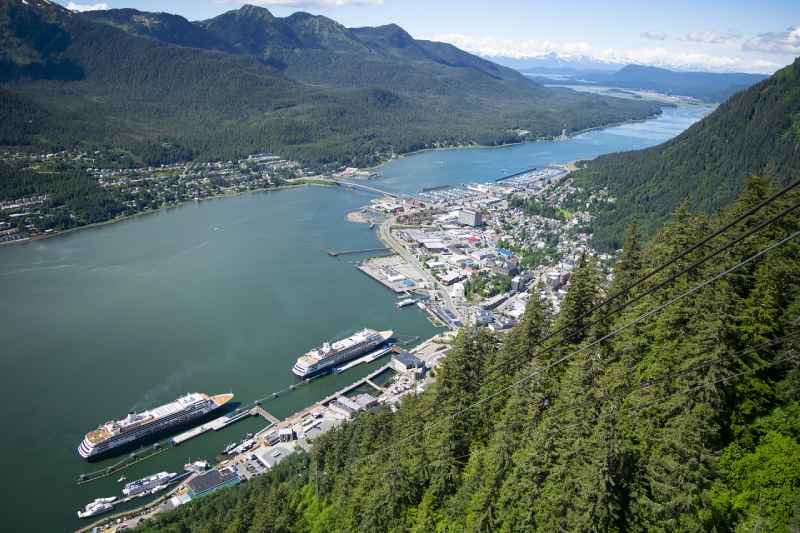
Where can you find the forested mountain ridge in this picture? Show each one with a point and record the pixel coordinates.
(709, 86)
(679, 412)
(166, 89)
(756, 131)
(316, 49)
(164, 27)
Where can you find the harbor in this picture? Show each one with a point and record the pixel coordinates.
(218, 295)
(257, 453)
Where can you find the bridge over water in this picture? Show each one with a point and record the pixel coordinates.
(364, 187)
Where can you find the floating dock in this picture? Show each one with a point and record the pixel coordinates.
(214, 425)
(370, 357)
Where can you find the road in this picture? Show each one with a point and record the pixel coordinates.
(385, 234)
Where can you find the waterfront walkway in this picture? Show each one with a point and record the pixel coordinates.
(263, 413)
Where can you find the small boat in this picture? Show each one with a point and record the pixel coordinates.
(123, 478)
(406, 302)
(229, 448)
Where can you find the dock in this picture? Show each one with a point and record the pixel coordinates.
(214, 425)
(370, 357)
(333, 253)
(374, 275)
(514, 175)
(367, 380)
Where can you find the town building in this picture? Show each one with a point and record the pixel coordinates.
(470, 217)
(404, 362)
(212, 481)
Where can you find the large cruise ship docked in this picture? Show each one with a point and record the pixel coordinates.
(324, 358)
(137, 426)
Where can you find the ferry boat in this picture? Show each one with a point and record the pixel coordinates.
(151, 484)
(406, 302)
(138, 426)
(326, 357)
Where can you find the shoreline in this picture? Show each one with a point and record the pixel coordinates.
(356, 217)
(374, 167)
(517, 143)
(128, 218)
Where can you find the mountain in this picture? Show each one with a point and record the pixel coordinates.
(707, 86)
(554, 63)
(756, 131)
(317, 50)
(164, 27)
(680, 412)
(162, 88)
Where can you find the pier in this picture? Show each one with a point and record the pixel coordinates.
(520, 173)
(354, 252)
(367, 380)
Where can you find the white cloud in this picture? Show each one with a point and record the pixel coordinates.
(491, 46)
(72, 6)
(581, 51)
(713, 37)
(314, 3)
(779, 42)
(654, 35)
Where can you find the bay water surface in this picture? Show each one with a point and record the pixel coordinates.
(218, 296)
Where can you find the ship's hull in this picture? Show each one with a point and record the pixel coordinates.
(328, 365)
(149, 435)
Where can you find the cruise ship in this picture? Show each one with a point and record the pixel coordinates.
(137, 426)
(99, 506)
(324, 358)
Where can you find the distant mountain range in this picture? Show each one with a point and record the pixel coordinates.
(757, 131)
(555, 63)
(706, 86)
(163, 88)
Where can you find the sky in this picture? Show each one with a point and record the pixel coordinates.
(715, 35)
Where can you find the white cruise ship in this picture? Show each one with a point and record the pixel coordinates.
(324, 358)
(137, 426)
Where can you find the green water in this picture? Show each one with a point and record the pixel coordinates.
(214, 297)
